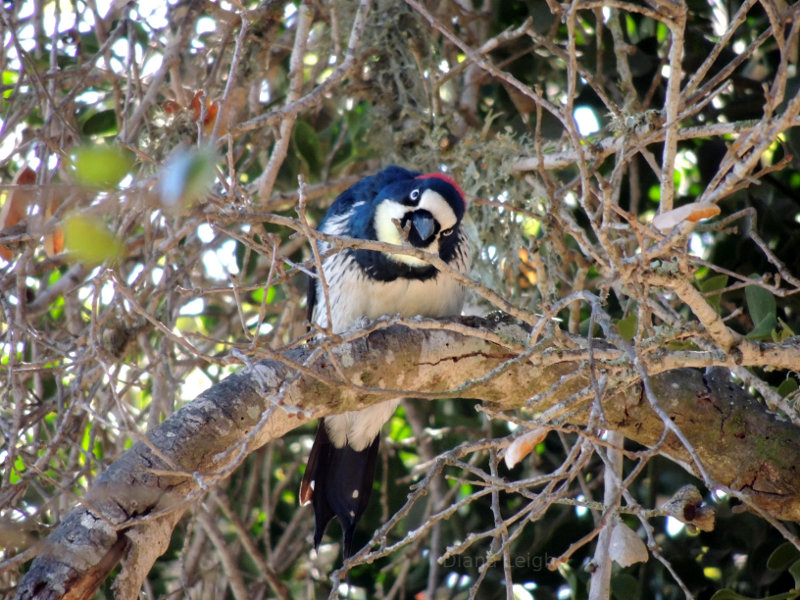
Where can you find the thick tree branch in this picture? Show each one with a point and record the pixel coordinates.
(130, 511)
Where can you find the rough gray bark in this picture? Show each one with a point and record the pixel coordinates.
(129, 513)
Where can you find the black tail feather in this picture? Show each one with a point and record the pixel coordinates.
(338, 481)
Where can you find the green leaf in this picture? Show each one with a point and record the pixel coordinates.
(624, 586)
(531, 227)
(630, 25)
(212, 316)
(101, 166)
(712, 284)
(783, 556)
(661, 32)
(258, 295)
(19, 468)
(727, 594)
(241, 251)
(784, 332)
(8, 78)
(762, 308)
(774, 562)
(101, 123)
(399, 429)
(627, 327)
(56, 308)
(89, 44)
(306, 141)
(91, 240)
(141, 33)
(786, 387)
(794, 570)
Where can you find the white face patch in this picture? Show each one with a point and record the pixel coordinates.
(389, 211)
(386, 214)
(435, 204)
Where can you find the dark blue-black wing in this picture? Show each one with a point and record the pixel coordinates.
(362, 191)
(365, 190)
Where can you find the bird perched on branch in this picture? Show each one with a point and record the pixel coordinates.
(408, 210)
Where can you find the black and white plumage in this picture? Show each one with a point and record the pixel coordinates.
(399, 207)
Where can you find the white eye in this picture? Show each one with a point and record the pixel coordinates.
(446, 232)
(414, 194)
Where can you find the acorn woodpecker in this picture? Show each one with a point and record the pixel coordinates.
(402, 208)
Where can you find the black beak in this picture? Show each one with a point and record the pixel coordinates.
(424, 225)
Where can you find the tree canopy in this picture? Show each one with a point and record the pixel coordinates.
(617, 415)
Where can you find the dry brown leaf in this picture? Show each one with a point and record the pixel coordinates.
(170, 107)
(195, 111)
(626, 548)
(687, 506)
(16, 205)
(54, 240)
(524, 445)
(212, 108)
(696, 211)
(703, 212)
(526, 268)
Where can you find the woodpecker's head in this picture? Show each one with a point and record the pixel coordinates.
(406, 209)
(424, 211)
